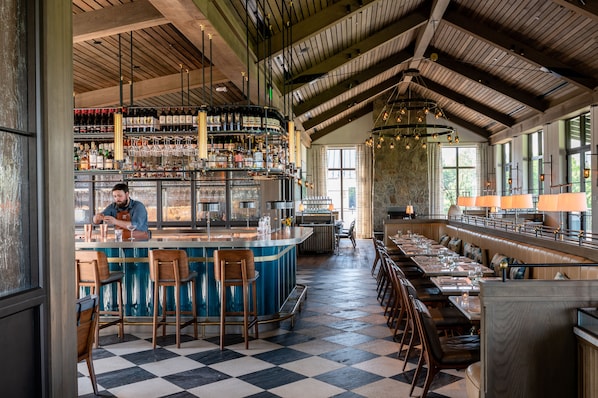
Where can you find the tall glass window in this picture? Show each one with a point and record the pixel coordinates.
(578, 139)
(342, 182)
(459, 175)
(536, 163)
(507, 161)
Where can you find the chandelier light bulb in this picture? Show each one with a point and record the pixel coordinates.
(424, 145)
(435, 135)
(385, 116)
(392, 145)
(426, 110)
(379, 146)
(403, 110)
(399, 120)
(407, 147)
(449, 138)
(398, 137)
(416, 137)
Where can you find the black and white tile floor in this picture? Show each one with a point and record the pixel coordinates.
(340, 346)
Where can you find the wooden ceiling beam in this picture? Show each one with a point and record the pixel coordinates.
(314, 25)
(317, 134)
(467, 102)
(487, 80)
(110, 96)
(588, 9)
(352, 82)
(390, 32)
(519, 49)
(358, 98)
(424, 38)
(111, 21)
(457, 121)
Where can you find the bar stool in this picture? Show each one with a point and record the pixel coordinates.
(235, 267)
(92, 270)
(171, 268)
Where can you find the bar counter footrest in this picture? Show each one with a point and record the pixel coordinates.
(293, 303)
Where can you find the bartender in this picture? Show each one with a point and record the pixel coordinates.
(124, 212)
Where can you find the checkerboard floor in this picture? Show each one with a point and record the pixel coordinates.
(339, 346)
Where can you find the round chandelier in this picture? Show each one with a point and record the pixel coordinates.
(408, 121)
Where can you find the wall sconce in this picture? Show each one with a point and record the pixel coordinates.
(586, 173)
(542, 177)
(510, 181)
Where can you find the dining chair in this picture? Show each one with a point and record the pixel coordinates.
(454, 352)
(87, 318)
(448, 320)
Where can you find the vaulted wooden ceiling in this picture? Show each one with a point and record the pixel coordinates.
(490, 64)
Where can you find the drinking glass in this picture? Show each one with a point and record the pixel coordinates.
(131, 227)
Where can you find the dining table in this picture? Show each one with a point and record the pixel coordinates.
(457, 285)
(461, 266)
(470, 306)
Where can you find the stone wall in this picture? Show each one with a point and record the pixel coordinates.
(400, 177)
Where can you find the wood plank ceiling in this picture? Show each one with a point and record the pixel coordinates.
(489, 64)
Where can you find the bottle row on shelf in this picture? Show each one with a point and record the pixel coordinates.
(181, 153)
(255, 119)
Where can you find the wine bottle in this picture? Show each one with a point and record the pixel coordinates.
(162, 120)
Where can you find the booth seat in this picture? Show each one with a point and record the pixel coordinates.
(524, 253)
(492, 243)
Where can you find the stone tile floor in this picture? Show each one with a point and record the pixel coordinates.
(339, 346)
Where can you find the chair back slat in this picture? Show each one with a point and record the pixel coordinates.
(234, 264)
(86, 257)
(168, 264)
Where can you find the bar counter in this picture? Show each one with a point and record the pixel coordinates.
(275, 259)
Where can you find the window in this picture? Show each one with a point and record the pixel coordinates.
(507, 161)
(578, 139)
(341, 182)
(459, 175)
(536, 163)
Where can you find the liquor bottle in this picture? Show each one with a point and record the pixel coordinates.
(100, 157)
(176, 121)
(110, 121)
(93, 156)
(162, 120)
(76, 163)
(109, 156)
(169, 117)
(84, 157)
(189, 119)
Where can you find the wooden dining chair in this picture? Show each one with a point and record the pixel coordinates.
(455, 352)
(87, 317)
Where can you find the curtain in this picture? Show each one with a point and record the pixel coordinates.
(317, 170)
(435, 181)
(364, 226)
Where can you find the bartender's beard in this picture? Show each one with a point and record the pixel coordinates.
(122, 204)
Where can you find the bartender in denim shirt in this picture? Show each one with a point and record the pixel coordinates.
(123, 212)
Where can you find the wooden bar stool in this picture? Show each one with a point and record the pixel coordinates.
(92, 271)
(171, 268)
(235, 267)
